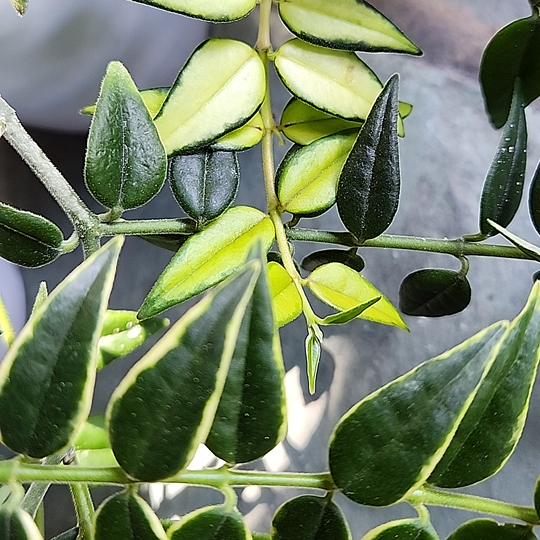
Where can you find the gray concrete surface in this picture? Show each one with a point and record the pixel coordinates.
(445, 156)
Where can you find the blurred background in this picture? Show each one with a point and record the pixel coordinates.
(51, 64)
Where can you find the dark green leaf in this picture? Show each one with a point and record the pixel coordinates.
(205, 183)
(347, 257)
(514, 52)
(125, 162)
(28, 239)
(210, 523)
(220, 11)
(434, 293)
(381, 450)
(47, 376)
(346, 316)
(369, 185)
(17, 525)
(487, 529)
(219, 89)
(404, 529)
(166, 404)
(492, 426)
(123, 332)
(171, 242)
(126, 515)
(208, 257)
(310, 518)
(251, 417)
(344, 24)
(503, 187)
(534, 200)
(537, 496)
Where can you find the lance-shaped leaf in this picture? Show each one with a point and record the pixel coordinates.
(511, 54)
(309, 518)
(369, 185)
(166, 404)
(126, 515)
(534, 199)
(17, 525)
(526, 247)
(123, 332)
(217, 11)
(344, 24)
(286, 301)
(337, 82)
(307, 177)
(251, 416)
(503, 187)
(403, 529)
(218, 90)
(208, 257)
(491, 429)
(345, 316)
(27, 239)
(204, 183)
(347, 257)
(125, 162)
(343, 288)
(488, 529)
(304, 124)
(381, 450)
(47, 376)
(434, 292)
(210, 523)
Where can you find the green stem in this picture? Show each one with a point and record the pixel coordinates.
(84, 509)
(473, 503)
(457, 247)
(84, 222)
(148, 226)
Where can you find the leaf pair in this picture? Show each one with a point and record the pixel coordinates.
(381, 450)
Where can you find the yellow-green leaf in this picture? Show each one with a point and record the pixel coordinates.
(343, 288)
(286, 301)
(208, 257)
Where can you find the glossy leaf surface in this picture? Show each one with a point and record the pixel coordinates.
(492, 426)
(27, 239)
(219, 89)
(222, 11)
(122, 333)
(208, 257)
(381, 450)
(369, 184)
(251, 416)
(125, 162)
(17, 525)
(309, 518)
(210, 523)
(304, 124)
(487, 529)
(307, 177)
(347, 257)
(534, 200)
(343, 288)
(286, 301)
(511, 54)
(503, 187)
(403, 529)
(47, 376)
(434, 292)
(344, 24)
(165, 406)
(204, 183)
(126, 515)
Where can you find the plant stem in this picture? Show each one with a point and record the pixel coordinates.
(84, 509)
(437, 497)
(457, 247)
(148, 226)
(84, 222)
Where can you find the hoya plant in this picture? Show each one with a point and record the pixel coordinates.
(215, 377)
